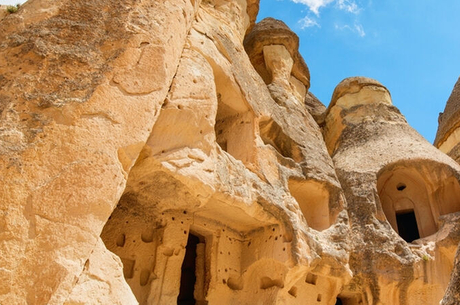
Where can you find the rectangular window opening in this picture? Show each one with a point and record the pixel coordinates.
(193, 272)
(407, 225)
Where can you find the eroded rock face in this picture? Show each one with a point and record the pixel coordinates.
(274, 52)
(315, 108)
(228, 175)
(447, 140)
(162, 152)
(448, 135)
(453, 291)
(3, 11)
(77, 107)
(394, 181)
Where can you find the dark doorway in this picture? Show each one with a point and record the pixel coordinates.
(339, 302)
(407, 225)
(188, 277)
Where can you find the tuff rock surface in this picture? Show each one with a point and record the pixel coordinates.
(163, 152)
(447, 140)
(448, 135)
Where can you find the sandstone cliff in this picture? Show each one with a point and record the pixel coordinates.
(163, 152)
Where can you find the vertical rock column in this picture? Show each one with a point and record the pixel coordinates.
(448, 141)
(387, 170)
(81, 86)
(448, 134)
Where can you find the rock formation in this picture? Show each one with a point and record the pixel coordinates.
(447, 140)
(394, 181)
(448, 135)
(163, 152)
(3, 11)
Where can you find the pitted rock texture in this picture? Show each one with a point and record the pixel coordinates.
(275, 32)
(448, 134)
(453, 291)
(66, 140)
(170, 152)
(387, 171)
(315, 108)
(448, 141)
(449, 117)
(226, 172)
(3, 11)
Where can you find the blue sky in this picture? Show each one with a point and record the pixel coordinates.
(412, 47)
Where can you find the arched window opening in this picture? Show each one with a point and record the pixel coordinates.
(414, 195)
(405, 200)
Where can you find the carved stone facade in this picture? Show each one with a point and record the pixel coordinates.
(170, 152)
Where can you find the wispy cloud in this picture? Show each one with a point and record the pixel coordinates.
(349, 6)
(356, 28)
(307, 22)
(314, 5)
(359, 29)
(345, 5)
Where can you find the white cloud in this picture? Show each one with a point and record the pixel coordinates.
(360, 30)
(356, 28)
(11, 2)
(314, 5)
(343, 27)
(349, 6)
(345, 5)
(307, 22)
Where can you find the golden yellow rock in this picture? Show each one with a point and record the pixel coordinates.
(169, 152)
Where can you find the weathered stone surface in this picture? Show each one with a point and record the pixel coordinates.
(221, 164)
(386, 169)
(453, 291)
(3, 11)
(275, 32)
(163, 152)
(71, 128)
(448, 120)
(102, 281)
(448, 141)
(448, 134)
(315, 108)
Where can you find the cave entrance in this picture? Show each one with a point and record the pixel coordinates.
(407, 225)
(192, 281)
(349, 299)
(408, 201)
